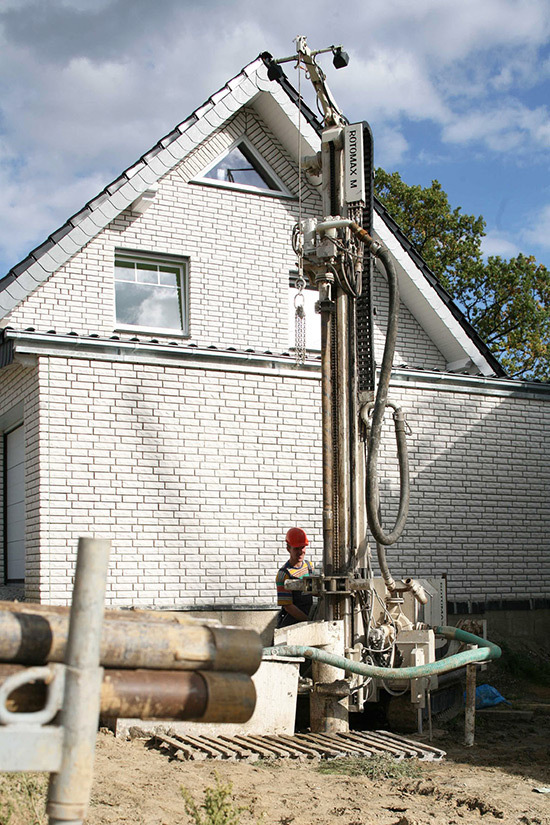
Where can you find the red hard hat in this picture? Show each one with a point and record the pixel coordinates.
(296, 537)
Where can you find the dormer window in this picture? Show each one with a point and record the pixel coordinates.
(242, 167)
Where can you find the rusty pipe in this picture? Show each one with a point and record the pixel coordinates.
(120, 614)
(39, 637)
(154, 694)
(204, 697)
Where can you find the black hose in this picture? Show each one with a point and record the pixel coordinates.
(378, 410)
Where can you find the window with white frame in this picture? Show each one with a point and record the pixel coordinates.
(151, 293)
(243, 167)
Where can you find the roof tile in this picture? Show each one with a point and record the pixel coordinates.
(16, 291)
(27, 282)
(157, 165)
(7, 303)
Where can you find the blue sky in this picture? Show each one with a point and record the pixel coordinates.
(456, 90)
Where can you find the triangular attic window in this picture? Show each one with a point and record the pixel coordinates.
(242, 167)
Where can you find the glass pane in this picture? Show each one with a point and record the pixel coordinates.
(124, 271)
(146, 274)
(149, 306)
(169, 277)
(237, 167)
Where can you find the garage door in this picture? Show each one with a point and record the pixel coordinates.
(14, 504)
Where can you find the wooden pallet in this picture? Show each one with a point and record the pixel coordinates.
(301, 746)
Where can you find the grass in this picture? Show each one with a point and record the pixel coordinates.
(219, 806)
(23, 798)
(373, 767)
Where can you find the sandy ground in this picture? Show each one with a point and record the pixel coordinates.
(493, 781)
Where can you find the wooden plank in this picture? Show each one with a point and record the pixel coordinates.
(261, 751)
(242, 752)
(303, 751)
(212, 751)
(386, 747)
(276, 749)
(177, 745)
(393, 736)
(227, 752)
(307, 750)
(321, 740)
(354, 746)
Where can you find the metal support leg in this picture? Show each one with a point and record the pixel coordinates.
(470, 711)
(69, 790)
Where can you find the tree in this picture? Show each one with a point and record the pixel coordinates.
(506, 301)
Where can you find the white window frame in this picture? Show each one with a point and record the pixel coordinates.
(281, 192)
(159, 259)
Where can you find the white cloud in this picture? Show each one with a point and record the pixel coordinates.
(86, 86)
(538, 232)
(510, 127)
(496, 243)
(389, 84)
(390, 147)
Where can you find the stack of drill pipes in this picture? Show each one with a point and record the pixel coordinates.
(484, 652)
(161, 666)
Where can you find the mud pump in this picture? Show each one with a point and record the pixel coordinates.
(374, 629)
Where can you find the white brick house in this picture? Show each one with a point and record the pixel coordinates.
(148, 394)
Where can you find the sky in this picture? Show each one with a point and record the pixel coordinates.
(454, 90)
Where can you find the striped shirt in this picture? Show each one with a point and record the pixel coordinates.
(288, 572)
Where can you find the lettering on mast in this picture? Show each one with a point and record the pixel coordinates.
(354, 178)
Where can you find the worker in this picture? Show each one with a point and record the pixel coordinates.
(295, 605)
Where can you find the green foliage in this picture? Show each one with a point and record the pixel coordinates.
(507, 302)
(219, 806)
(374, 767)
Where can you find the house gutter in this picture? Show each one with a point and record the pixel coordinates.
(22, 347)
(25, 345)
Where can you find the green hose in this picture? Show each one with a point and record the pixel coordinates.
(484, 653)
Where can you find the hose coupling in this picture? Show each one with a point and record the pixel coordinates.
(417, 590)
(399, 419)
(374, 248)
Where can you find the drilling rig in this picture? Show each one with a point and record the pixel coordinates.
(371, 627)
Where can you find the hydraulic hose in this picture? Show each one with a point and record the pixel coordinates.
(378, 410)
(374, 424)
(485, 652)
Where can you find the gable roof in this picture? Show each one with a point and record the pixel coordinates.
(280, 106)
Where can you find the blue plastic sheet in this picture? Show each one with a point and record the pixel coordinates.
(487, 697)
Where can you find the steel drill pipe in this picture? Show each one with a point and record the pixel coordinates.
(154, 694)
(120, 614)
(39, 637)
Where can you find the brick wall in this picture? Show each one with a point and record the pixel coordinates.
(195, 476)
(240, 255)
(413, 348)
(479, 492)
